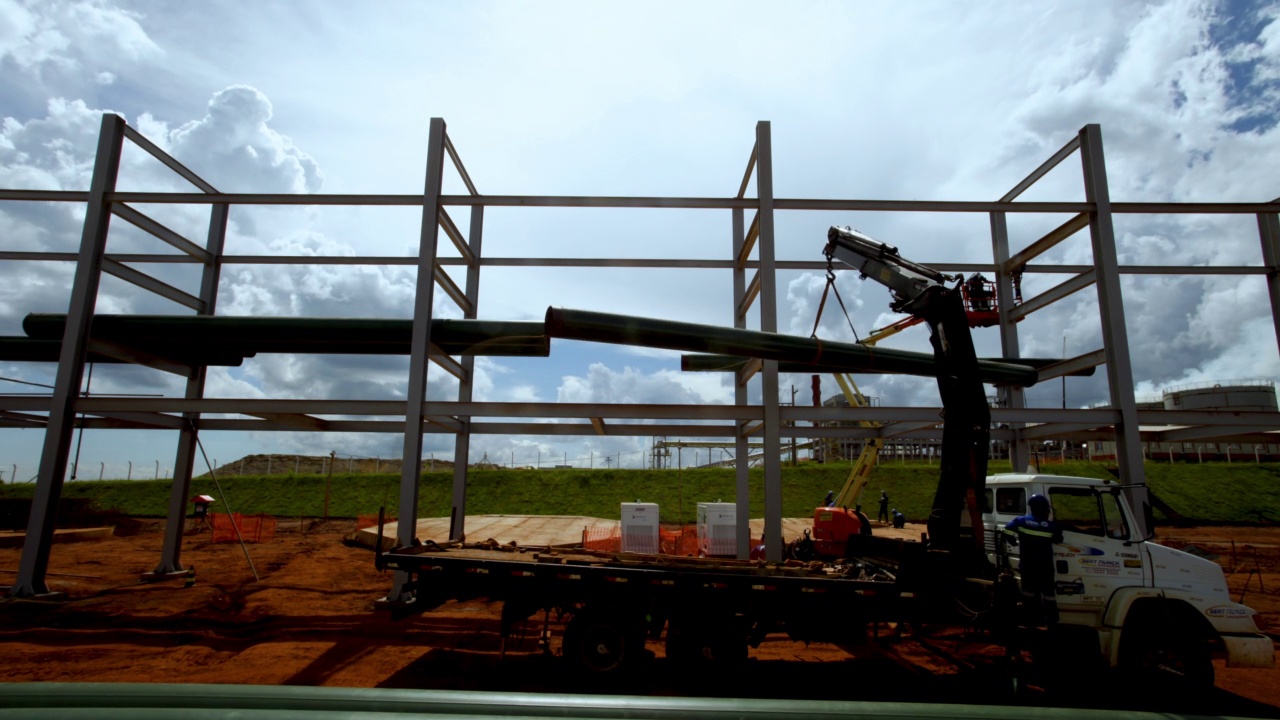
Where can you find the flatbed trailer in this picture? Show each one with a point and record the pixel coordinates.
(711, 609)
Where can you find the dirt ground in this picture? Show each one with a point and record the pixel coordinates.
(311, 620)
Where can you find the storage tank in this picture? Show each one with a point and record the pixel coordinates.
(1245, 396)
(640, 527)
(717, 529)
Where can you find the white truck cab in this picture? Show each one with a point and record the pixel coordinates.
(1153, 608)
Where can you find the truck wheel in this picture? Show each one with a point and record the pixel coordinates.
(602, 642)
(1154, 655)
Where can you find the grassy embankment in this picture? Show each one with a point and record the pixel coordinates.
(1210, 493)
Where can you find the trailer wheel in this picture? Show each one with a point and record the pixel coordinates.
(1155, 654)
(602, 641)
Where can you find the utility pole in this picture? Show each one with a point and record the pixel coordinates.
(329, 481)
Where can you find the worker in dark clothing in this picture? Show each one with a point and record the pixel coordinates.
(864, 522)
(884, 507)
(1034, 534)
(899, 520)
(830, 500)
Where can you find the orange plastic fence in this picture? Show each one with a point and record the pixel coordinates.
(682, 541)
(371, 521)
(253, 528)
(602, 539)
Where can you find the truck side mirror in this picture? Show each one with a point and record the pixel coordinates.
(1150, 519)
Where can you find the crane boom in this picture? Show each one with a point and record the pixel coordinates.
(924, 293)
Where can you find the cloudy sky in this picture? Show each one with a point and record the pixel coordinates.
(870, 100)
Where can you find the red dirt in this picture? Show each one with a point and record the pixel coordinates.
(311, 620)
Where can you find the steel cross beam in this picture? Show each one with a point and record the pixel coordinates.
(419, 349)
(75, 345)
(1013, 395)
(188, 436)
(1114, 333)
(462, 442)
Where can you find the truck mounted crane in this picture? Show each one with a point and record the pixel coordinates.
(955, 520)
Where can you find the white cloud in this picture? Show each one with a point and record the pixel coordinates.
(69, 35)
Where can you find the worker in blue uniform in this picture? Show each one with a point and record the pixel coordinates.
(1035, 534)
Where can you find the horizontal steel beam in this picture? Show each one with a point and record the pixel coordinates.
(159, 421)
(294, 421)
(903, 428)
(1209, 432)
(1052, 430)
(955, 206)
(16, 419)
(642, 263)
(1210, 417)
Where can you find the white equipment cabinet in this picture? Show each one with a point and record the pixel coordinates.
(640, 527)
(717, 529)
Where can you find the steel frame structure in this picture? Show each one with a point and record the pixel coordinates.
(751, 251)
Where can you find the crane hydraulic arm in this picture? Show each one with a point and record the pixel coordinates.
(955, 519)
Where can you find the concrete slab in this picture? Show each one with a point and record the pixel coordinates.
(70, 535)
(566, 530)
(525, 530)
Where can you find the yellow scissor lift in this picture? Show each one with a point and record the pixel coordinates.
(834, 523)
(856, 483)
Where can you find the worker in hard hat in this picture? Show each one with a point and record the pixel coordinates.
(1035, 534)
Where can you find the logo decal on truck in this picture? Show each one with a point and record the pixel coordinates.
(1100, 566)
(1228, 612)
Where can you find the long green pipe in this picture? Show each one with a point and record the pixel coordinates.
(250, 335)
(691, 337)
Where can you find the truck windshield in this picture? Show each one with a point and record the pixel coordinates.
(1089, 512)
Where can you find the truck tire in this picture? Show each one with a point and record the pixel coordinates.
(602, 642)
(1156, 650)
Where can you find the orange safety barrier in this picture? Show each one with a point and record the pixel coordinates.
(682, 541)
(364, 522)
(253, 528)
(602, 539)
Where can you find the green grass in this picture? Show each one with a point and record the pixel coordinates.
(1209, 493)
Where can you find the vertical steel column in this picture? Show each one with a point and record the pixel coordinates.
(419, 347)
(742, 464)
(188, 436)
(75, 341)
(769, 323)
(462, 443)
(1013, 396)
(1114, 334)
(1269, 232)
